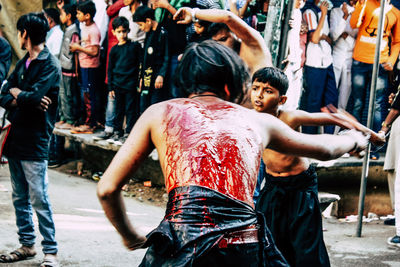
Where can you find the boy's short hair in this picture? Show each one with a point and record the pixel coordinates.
(71, 10)
(215, 27)
(53, 13)
(209, 66)
(142, 13)
(120, 21)
(274, 77)
(35, 25)
(87, 7)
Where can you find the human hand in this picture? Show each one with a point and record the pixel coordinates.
(324, 7)
(360, 141)
(326, 38)
(15, 92)
(159, 4)
(74, 47)
(303, 28)
(344, 35)
(183, 15)
(134, 242)
(345, 10)
(391, 98)
(159, 82)
(291, 23)
(60, 4)
(44, 103)
(111, 94)
(387, 66)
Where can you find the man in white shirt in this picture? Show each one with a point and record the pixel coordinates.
(55, 34)
(293, 69)
(321, 87)
(344, 37)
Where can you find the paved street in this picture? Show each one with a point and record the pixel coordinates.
(86, 238)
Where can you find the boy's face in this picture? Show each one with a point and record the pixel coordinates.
(82, 17)
(198, 28)
(63, 16)
(265, 98)
(145, 26)
(121, 34)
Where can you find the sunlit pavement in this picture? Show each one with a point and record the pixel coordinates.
(86, 238)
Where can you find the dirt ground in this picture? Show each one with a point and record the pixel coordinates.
(141, 191)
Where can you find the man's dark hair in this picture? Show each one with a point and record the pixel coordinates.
(71, 10)
(35, 25)
(209, 66)
(142, 13)
(54, 14)
(274, 77)
(0, 7)
(120, 21)
(214, 28)
(87, 7)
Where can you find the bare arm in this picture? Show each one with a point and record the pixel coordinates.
(136, 148)
(390, 118)
(300, 117)
(316, 35)
(322, 146)
(92, 50)
(163, 4)
(253, 49)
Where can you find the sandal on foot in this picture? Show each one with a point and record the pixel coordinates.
(49, 261)
(19, 254)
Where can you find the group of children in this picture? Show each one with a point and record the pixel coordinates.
(135, 75)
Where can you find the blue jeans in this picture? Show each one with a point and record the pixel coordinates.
(174, 91)
(29, 189)
(110, 112)
(89, 77)
(320, 91)
(361, 75)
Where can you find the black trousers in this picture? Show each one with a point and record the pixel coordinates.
(126, 104)
(234, 255)
(291, 209)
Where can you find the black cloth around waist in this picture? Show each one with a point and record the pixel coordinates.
(196, 219)
(297, 182)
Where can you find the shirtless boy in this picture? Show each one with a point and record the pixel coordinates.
(289, 199)
(209, 150)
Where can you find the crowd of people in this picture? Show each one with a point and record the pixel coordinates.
(167, 75)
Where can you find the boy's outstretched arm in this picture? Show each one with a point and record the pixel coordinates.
(128, 159)
(253, 49)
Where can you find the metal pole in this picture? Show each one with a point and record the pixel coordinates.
(371, 111)
(283, 49)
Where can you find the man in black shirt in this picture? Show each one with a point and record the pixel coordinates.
(31, 96)
(155, 58)
(123, 69)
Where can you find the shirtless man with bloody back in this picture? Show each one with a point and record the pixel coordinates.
(209, 150)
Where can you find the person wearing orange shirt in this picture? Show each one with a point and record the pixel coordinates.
(366, 17)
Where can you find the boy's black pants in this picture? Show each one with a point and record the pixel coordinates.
(126, 104)
(291, 209)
